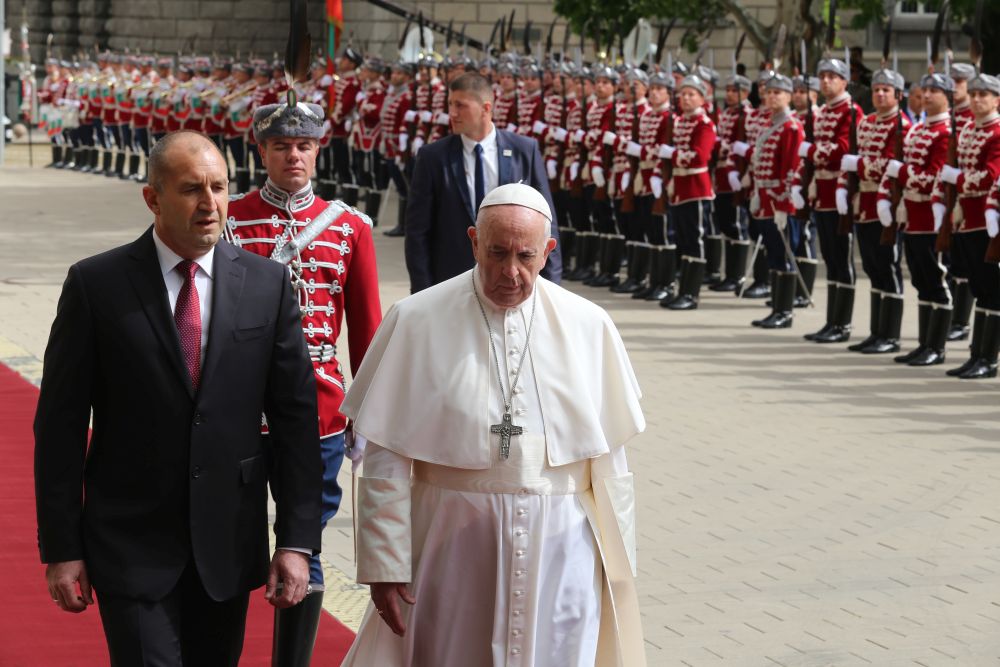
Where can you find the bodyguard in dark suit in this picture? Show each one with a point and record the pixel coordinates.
(177, 344)
(451, 177)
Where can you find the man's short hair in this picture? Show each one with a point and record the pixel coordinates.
(158, 167)
(475, 84)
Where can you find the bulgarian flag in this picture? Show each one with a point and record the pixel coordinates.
(335, 25)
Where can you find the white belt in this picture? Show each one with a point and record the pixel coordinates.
(825, 174)
(916, 197)
(868, 186)
(690, 172)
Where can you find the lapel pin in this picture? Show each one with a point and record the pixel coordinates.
(507, 152)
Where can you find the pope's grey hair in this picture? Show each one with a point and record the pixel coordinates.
(493, 211)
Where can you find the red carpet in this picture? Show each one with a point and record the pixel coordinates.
(33, 631)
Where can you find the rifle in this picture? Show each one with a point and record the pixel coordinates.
(628, 197)
(943, 243)
(739, 196)
(889, 233)
(846, 222)
(576, 187)
(561, 151)
(808, 168)
(661, 203)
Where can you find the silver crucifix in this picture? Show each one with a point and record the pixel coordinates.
(506, 429)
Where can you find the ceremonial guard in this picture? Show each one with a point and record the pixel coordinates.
(803, 229)
(831, 140)
(142, 116)
(505, 105)
(50, 93)
(428, 90)
(393, 146)
(346, 88)
(530, 106)
(261, 96)
(730, 217)
(239, 117)
(330, 255)
(977, 171)
(925, 152)
(774, 160)
(880, 136)
(162, 94)
(366, 134)
(436, 125)
(691, 191)
(552, 134)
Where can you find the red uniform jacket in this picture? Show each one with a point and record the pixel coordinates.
(979, 160)
(774, 161)
(831, 141)
(876, 146)
(694, 141)
(925, 150)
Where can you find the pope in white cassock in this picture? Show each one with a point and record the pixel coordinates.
(496, 512)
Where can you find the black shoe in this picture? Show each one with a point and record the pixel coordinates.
(960, 371)
(395, 231)
(980, 368)
(727, 285)
(643, 292)
(683, 302)
(929, 357)
(958, 332)
(584, 274)
(858, 347)
(825, 331)
(911, 355)
(757, 291)
(776, 320)
(837, 334)
(881, 346)
(661, 294)
(630, 286)
(604, 280)
(801, 302)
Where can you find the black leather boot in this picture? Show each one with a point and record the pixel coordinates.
(587, 252)
(713, 260)
(890, 321)
(242, 180)
(69, 158)
(807, 269)
(989, 346)
(937, 336)
(372, 202)
(666, 276)
(611, 262)
(638, 268)
(326, 189)
(350, 194)
(56, 157)
(119, 166)
(831, 302)
(567, 242)
(133, 167)
(784, 298)
(295, 631)
(771, 301)
(106, 160)
(736, 265)
(874, 317)
(655, 259)
(761, 287)
(975, 345)
(259, 178)
(843, 312)
(400, 228)
(692, 276)
(923, 324)
(961, 297)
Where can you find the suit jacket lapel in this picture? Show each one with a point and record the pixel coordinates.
(147, 279)
(227, 287)
(457, 160)
(504, 175)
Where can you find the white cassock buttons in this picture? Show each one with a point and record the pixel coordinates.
(522, 512)
(519, 553)
(515, 651)
(518, 594)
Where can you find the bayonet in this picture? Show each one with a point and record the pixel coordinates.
(527, 37)
(548, 40)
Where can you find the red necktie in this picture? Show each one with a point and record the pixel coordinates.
(187, 317)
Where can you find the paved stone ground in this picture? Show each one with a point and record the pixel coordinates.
(799, 505)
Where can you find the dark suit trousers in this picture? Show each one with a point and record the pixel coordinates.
(185, 628)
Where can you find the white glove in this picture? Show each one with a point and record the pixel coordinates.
(578, 136)
(938, 209)
(574, 171)
(551, 167)
(609, 138)
(348, 124)
(512, 128)
(538, 127)
(443, 118)
(426, 116)
(404, 141)
(781, 220)
(409, 116)
(884, 208)
(804, 149)
(734, 181)
(656, 185)
(849, 163)
(417, 143)
(360, 96)
(560, 134)
(950, 174)
(626, 180)
(597, 174)
(892, 168)
(398, 161)
(740, 148)
(841, 197)
(633, 149)
(797, 199)
(667, 152)
(992, 222)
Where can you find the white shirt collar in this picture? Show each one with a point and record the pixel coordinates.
(170, 259)
(489, 140)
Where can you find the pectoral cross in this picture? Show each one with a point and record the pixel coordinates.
(506, 429)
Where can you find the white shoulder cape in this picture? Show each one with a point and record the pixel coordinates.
(423, 388)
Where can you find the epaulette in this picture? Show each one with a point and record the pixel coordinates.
(364, 218)
(238, 196)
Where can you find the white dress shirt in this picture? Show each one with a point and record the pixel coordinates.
(491, 167)
(175, 281)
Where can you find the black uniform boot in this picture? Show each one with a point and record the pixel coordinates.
(106, 160)
(82, 159)
(937, 336)
(874, 310)
(923, 324)
(586, 255)
(56, 157)
(350, 194)
(400, 228)
(807, 269)
(831, 302)
(120, 166)
(326, 189)
(133, 167)
(242, 180)
(638, 267)
(69, 158)
(665, 276)
(989, 346)
(611, 262)
(259, 178)
(372, 202)
(961, 310)
(771, 301)
(890, 320)
(692, 276)
(975, 345)
(736, 265)
(784, 299)
(843, 313)
(600, 258)
(567, 240)
(295, 631)
(760, 288)
(713, 260)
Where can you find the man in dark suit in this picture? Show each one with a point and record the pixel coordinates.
(178, 345)
(451, 177)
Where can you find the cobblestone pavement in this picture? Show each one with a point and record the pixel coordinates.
(799, 505)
